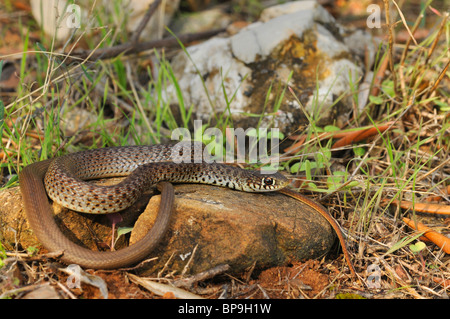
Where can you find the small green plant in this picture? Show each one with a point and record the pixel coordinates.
(417, 247)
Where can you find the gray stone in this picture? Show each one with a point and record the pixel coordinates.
(299, 37)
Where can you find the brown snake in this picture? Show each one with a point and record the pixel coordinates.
(62, 179)
(143, 166)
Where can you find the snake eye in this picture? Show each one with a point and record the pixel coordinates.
(269, 181)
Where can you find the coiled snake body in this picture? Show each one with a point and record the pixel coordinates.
(62, 179)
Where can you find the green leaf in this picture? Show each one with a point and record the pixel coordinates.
(325, 155)
(443, 106)
(14, 178)
(415, 248)
(252, 133)
(2, 255)
(123, 231)
(376, 99)
(86, 73)
(352, 184)
(388, 88)
(334, 181)
(359, 151)
(276, 134)
(294, 168)
(313, 187)
(331, 128)
(308, 170)
(340, 173)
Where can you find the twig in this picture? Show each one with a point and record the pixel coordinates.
(39, 257)
(165, 265)
(404, 22)
(210, 273)
(391, 44)
(408, 42)
(438, 36)
(439, 79)
(138, 266)
(66, 290)
(443, 163)
(266, 296)
(150, 11)
(186, 267)
(131, 48)
(162, 289)
(440, 240)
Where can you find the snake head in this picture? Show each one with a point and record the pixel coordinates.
(263, 182)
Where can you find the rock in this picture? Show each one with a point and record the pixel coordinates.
(91, 231)
(226, 226)
(14, 228)
(299, 37)
(236, 228)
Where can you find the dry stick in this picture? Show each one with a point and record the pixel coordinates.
(352, 176)
(408, 42)
(357, 136)
(406, 49)
(131, 48)
(439, 79)
(373, 145)
(186, 267)
(210, 273)
(436, 40)
(391, 45)
(427, 92)
(404, 22)
(430, 52)
(432, 171)
(150, 11)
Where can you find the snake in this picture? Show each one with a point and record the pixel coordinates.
(65, 180)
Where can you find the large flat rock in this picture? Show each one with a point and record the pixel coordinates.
(236, 228)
